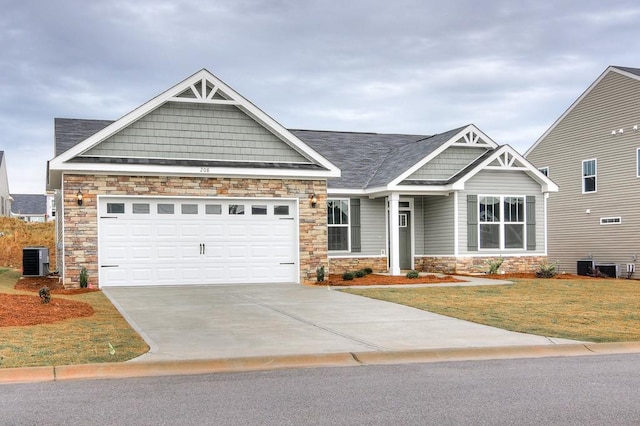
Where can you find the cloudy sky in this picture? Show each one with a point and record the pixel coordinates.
(404, 66)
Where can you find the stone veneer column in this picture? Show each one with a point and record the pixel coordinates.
(81, 222)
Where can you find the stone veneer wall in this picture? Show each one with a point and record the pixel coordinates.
(469, 265)
(339, 265)
(81, 223)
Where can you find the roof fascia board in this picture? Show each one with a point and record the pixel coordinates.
(547, 184)
(577, 101)
(187, 171)
(439, 150)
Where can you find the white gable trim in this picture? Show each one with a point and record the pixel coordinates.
(577, 101)
(171, 95)
(506, 152)
(460, 135)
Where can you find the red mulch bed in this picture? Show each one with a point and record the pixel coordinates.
(376, 279)
(24, 310)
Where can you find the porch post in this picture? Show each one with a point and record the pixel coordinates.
(394, 232)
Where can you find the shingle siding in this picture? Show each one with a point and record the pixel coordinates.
(447, 163)
(585, 133)
(188, 131)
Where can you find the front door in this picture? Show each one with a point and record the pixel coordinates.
(404, 223)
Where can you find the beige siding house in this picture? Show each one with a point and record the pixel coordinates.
(199, 186)
(593, 153)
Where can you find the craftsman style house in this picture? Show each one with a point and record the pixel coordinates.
(593, 153)
(199, 186)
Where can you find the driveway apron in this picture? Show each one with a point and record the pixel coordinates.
(231, 321)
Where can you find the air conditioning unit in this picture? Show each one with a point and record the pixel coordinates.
(35, 261)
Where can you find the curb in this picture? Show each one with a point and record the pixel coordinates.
(343, 359)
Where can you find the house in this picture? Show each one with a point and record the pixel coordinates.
(592, 151)
(30, 207)
(5, 196)
(199, 186)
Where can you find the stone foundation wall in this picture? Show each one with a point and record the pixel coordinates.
(339, 265)
(81, 223)
(470, 265)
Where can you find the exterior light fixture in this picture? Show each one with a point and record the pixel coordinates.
(313, 200)
(79, 197)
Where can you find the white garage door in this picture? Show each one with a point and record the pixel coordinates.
(162, 241)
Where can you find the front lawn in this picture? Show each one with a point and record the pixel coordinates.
(595, 310)
(102, 336)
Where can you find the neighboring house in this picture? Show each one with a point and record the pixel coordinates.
(199, 186)
(29, 207)
(5, 197)
(593, 153)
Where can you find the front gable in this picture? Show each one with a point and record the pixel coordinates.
(199, 125)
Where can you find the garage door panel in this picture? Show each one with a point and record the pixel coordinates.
(210, 247)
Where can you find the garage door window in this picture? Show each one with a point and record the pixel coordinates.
(165, 208)
(281, 210)
(115, 208)
(236, 209)
(189, 209)
(213, 209)
(258, 210)
(140, 208)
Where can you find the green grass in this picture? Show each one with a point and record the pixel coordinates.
(595, 310)
(76, 341)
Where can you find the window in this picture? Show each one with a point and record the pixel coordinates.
(589, 171)
(338, 224)
(544, 171)
(115, 208)
(258, 210)
(610, 220)
(165, 208)
(140, 208)
(281, 210)
(189, 208)
(501, 222)
(236, 209)
(213, 209)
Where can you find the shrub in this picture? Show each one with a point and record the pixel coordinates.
(494, 265)
(413, 274)
(368, 271)
(320, 273)
(348, 276)
(45, 295)
(546, 270)
(84, 278)
(359, 273)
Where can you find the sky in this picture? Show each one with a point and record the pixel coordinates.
(404, 66)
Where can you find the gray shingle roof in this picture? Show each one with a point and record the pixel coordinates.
(635, 71)
(71, 131)
(29, 204)
(366, 160)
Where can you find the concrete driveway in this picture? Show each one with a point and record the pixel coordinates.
(214, 322)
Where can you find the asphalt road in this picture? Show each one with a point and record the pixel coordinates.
(569, 391)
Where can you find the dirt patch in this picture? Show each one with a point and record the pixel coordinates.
(36, 283)
(21, 310)
(376, 279)
(24, 310)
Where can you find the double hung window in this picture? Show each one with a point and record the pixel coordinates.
(501, 222)
(589, 173)
(338, 224)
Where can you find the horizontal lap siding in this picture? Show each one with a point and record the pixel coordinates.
(185, 131)
(585, 133)
(372, 220)
(438, 219)
(492, 182)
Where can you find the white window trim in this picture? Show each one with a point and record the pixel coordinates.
(582, 175)
(637, 162)
(502, 223)
(616, 220)
(348, 225)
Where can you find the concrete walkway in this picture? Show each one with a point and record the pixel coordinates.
(218, 322)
